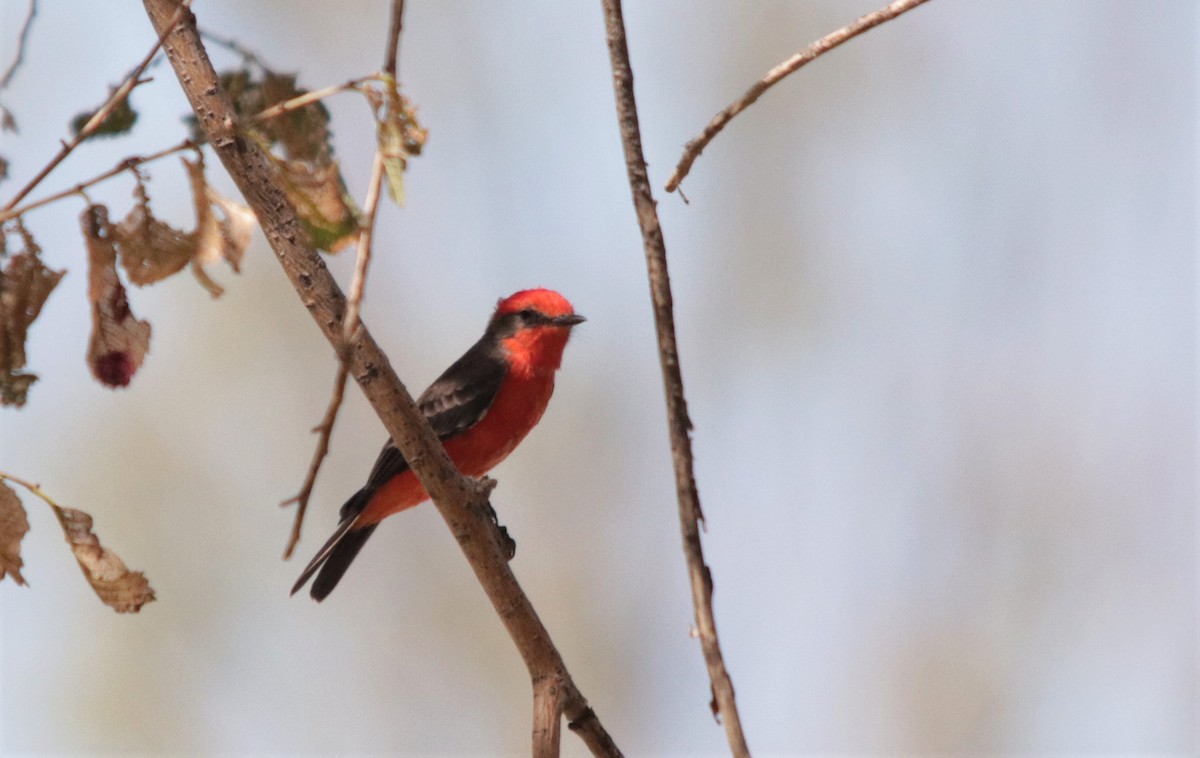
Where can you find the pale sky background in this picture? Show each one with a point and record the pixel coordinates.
(936, 298)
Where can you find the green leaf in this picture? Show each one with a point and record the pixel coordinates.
(119, 121)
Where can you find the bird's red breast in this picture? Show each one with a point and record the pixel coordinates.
(519, 405)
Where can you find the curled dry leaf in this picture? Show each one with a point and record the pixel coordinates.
(25, 283)
(119, 588)
(119, 341)
(225, 238)
(13, 526)
(150, 250)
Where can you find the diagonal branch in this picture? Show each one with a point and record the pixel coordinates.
(100, 116)
(22, 40)
(678, 422)
(324, 430)
(694, 147)
(462, 502)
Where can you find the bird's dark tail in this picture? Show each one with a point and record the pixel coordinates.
(339, 551)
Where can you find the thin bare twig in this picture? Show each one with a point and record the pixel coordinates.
(692, 150)
(308, 98)
(324, 430)
(393, 43)
(21, 40)
(36, 489)
(129, 164)
(349, 324)
(363, 261)
(678, 422)
(114, 100)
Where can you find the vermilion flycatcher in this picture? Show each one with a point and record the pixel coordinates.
(480, 408)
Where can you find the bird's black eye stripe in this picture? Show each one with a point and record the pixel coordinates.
(531, 316)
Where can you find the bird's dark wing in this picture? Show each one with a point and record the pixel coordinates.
(455, 402)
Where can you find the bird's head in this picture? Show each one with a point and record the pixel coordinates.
(533, 327)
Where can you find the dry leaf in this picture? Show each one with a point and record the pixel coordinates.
(119, 341)
(150, 250)
(119, 588)
(225, 238)
(13, 526)
(238, 223)
(25, 283)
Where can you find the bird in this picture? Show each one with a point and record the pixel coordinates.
(480, 408)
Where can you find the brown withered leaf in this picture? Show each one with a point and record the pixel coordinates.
(217, 238)
(13, 526)
(3, 168)
(25, 283)
(119, 588)
(119, 341)
(150, 250)
(238, 223)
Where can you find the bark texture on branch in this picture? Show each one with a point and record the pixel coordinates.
(462, 502)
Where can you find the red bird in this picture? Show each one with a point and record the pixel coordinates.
(480, 408)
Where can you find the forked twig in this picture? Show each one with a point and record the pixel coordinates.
(129, 164)
(678, 422)
(694, 147)
(114, 100)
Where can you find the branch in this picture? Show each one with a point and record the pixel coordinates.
(21, 40)
(308, 98)
(678, 422)
(114, 100)
(363, 261)
(393, 45)
(461, 501)
(325, 430)
(694, 147)
(129, 164)
(547, 718)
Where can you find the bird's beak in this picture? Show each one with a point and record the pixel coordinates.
(571, 319)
